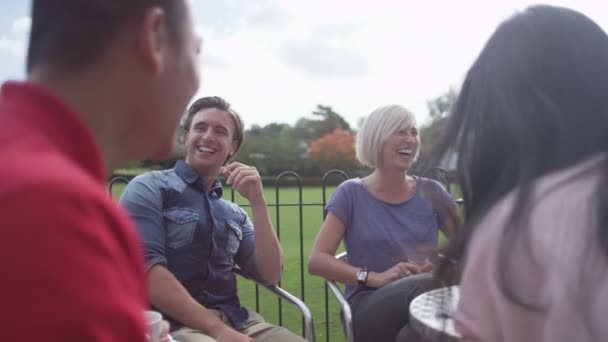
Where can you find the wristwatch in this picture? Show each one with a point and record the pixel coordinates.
(361, 276)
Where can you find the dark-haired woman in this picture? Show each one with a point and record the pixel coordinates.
(530, 129)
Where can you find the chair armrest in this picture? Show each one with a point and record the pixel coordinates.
(344, 305)
(346, 312)
(309, 330)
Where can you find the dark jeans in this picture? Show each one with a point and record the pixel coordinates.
(383, 315)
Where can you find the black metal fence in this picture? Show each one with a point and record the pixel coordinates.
(326, 313)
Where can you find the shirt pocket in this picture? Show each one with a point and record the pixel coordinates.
(235, 235)
(181, 224)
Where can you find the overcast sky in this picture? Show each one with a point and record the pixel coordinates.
(275, 60)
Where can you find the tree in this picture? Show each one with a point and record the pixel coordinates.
(272, 149)
(331, 118)
(440, 106)
(431, 133)
(309, 130)
(335, 150)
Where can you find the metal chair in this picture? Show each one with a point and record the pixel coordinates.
(346, 312)
(309, 329)
(439, 175)
(442, 177)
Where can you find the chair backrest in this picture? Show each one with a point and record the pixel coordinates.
(443, 177)
(439, 175)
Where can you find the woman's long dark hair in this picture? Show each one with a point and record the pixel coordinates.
(535, 101)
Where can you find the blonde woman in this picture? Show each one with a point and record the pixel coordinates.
(388, 220)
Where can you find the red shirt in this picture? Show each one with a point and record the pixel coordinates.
(70, 263)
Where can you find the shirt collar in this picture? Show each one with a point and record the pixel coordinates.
(60, 123)
(190, 176)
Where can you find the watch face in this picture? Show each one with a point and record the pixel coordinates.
(361, 275)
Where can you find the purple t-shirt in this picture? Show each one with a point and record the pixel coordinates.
(380, 234)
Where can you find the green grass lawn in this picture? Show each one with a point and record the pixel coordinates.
(291, 223)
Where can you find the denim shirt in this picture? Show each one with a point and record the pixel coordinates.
(195, 234)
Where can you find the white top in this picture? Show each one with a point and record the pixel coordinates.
(557, 264)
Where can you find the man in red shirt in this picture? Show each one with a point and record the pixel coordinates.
(107, 83)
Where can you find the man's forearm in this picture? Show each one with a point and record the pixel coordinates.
(268, 252)
(168, 295)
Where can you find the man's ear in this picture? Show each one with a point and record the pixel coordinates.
(153, 39)
(235, 147)
(185, 137)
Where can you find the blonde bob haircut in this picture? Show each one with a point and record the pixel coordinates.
(376, 128)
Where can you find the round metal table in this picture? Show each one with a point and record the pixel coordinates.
(432, 313)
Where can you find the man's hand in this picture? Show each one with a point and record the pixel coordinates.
(164, 332)
(245, 180)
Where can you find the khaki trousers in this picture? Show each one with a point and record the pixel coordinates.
(255, 327)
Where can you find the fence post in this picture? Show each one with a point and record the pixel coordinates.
(323, 190)
(300, 205)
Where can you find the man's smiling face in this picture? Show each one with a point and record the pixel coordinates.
(209, 140)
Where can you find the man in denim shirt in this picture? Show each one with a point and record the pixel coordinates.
(191, 236)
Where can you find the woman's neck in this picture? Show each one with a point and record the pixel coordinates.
(390, 186)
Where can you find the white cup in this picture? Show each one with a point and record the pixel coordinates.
(154, 320)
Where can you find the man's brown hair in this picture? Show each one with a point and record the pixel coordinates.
(73, 33)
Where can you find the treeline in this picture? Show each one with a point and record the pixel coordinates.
(314, 146)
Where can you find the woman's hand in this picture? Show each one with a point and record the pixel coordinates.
(427, 268)
(400, 270)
